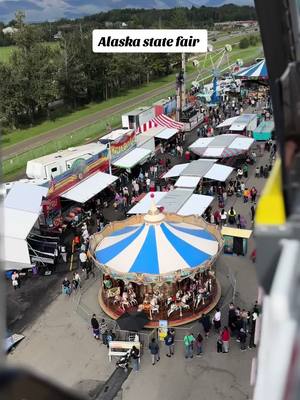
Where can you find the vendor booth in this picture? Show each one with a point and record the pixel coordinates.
(201, 169)
(264, 131)
(159, 263)
(180, 201)
(235, 240)
(222, 146)
(131, 159)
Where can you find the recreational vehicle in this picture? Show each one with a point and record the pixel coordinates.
(57, 163)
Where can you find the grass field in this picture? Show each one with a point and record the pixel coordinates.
(5, 53)
(16, 136)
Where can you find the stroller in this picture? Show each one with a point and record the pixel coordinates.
(123, 362)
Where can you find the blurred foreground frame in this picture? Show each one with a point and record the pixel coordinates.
(21, 384)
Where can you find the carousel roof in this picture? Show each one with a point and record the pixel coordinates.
(156, 248)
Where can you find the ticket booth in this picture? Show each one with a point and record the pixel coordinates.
(235, 240)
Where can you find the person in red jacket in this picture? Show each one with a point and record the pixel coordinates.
(225, 336)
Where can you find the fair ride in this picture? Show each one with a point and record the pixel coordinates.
(210, 69)
(162, 264)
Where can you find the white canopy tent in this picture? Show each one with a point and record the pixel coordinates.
(133, 158)
(190, 182)
(175, 171)
(228, 122)
(89, 187)
(196, 205)
(222, 146)
(142, 207)
(20, 211)
(166, 134)
(219, 173)
(200, 169)
(192, 204)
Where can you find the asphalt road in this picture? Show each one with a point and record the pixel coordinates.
(36, 141)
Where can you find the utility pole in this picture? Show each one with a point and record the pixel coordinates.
(183, 87)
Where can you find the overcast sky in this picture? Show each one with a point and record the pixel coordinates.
(49, 10)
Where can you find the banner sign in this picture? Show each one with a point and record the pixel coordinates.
(123, 145)
(79, 170)
(150, 41)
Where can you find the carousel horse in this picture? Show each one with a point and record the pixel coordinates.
(132, 296)
(178, 306)
(154, 305)
(122, 301)
(197, 300)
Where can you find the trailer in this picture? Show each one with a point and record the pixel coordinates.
(137, 117)
(52, 165)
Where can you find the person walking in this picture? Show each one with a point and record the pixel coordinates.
(169, 342)
(135, 356)
(77, 279)
(206, 323)
(253, 194)
(154, 351)
(188, 341)
(15, 280)
(95, 327)
(243, 338)
(198, 345)
(232, 318)
(252, 210)
(66, 286)
(232, 216)
(217, 320)
(225, 336)
(223, 217)
(103, 330)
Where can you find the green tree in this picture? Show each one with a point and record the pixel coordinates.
(71, 76)
(244, 43)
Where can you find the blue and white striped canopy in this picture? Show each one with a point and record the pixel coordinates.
(258, 70)
(156, 248)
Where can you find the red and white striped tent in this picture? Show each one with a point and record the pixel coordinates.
(160, 120)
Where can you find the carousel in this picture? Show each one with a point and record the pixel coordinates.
(159, 263)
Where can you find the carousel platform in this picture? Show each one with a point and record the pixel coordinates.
(173, 321)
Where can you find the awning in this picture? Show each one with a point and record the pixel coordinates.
(143, 206)
(24, 197)
(219, 172)
(133, 158)
(184, 201)
(187, 182)
(174, 200)
(228, 122)
(175, 171)
(89, 187)
(241, 233)
(168, 122)
(166, 133)
(201, 169)
(222, 146)
(196, 205)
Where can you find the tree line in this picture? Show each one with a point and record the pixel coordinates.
(38, 76)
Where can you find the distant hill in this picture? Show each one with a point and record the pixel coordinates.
(38, 11)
